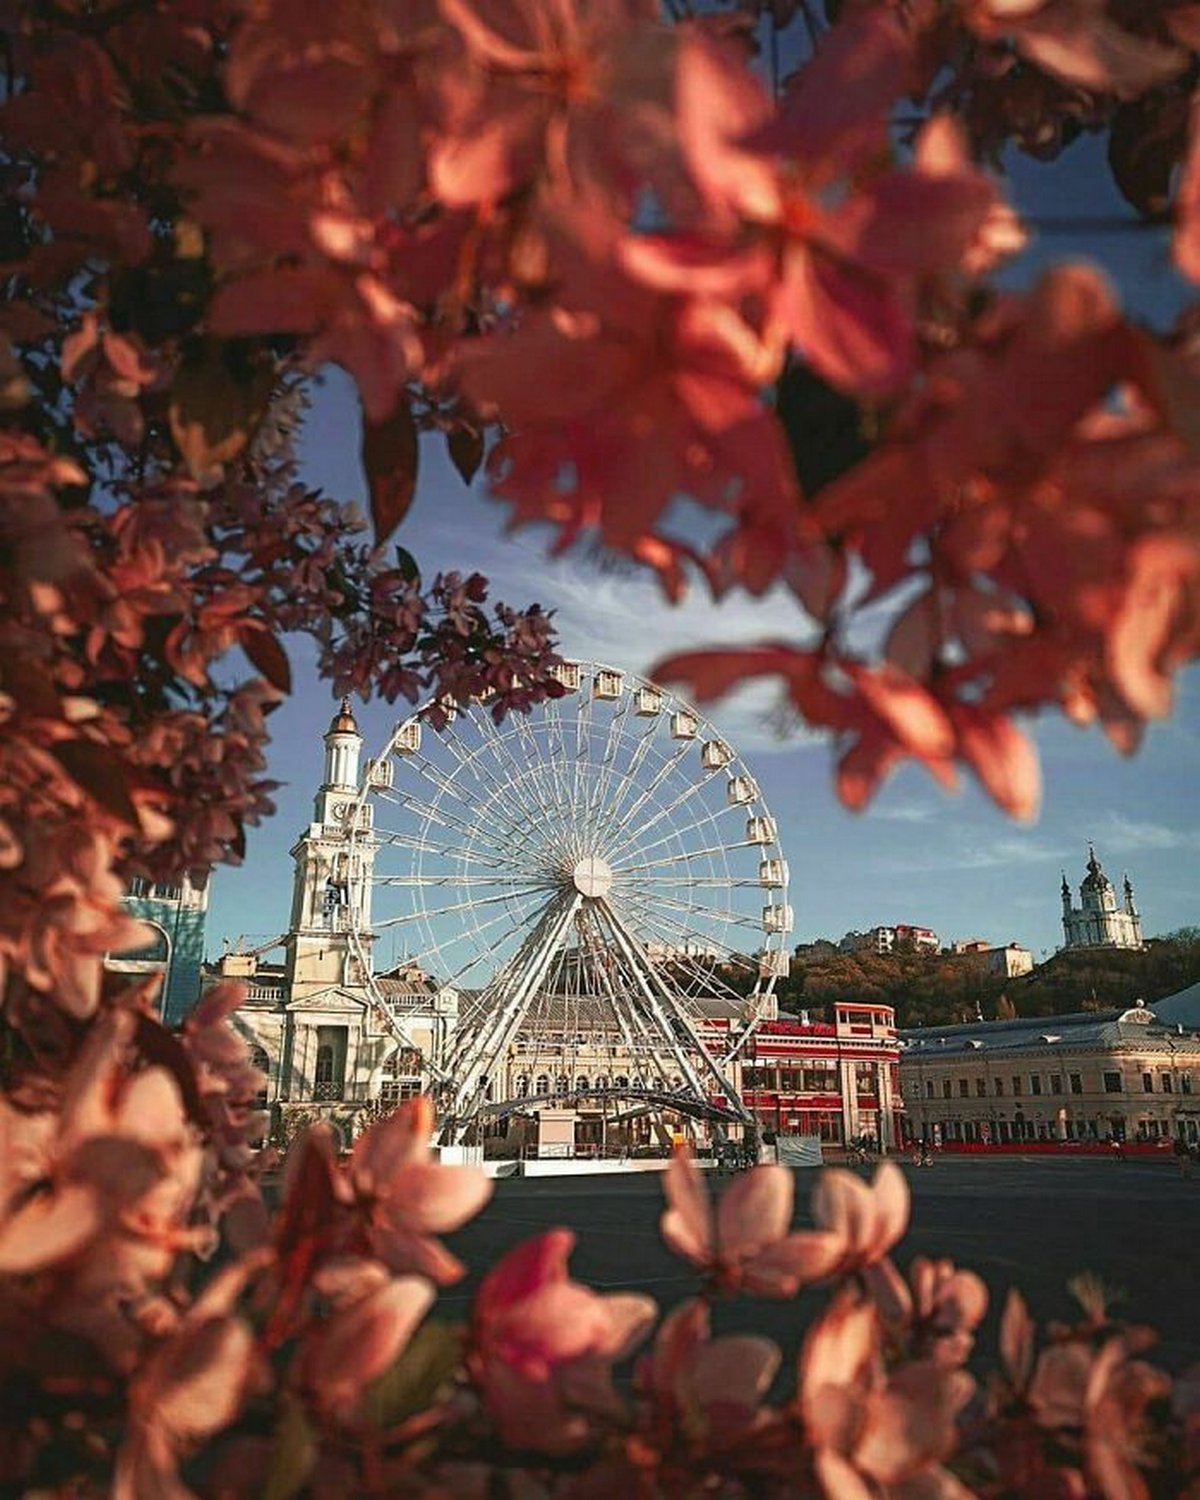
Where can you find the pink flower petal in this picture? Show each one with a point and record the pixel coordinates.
(195, 1384)
(687, 1225)
(47, 1229)
(437, 1198)
(794, 1262)
(360, 1341)
(737, 1370)
(527, 1269)
(754, 1211)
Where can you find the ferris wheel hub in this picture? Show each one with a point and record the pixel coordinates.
(593, 877)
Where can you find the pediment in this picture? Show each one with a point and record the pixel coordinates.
(335, 1000)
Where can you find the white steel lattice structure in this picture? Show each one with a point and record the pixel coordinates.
(588, 878)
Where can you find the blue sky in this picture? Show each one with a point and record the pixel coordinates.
(953, 863)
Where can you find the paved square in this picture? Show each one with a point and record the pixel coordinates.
(1016, 1221)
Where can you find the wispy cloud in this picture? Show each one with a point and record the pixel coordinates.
(622, 619)
(1127, 835)
(907, 812)
(959, 851)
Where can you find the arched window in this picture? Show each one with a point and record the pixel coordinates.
(543, 1084)
(561, 1084)
(523, 1086)
(582, 1085)
(620, 1081)
(602, 1080)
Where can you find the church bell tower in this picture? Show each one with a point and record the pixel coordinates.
(331, 887)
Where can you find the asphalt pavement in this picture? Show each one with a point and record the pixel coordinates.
(1025, 1221)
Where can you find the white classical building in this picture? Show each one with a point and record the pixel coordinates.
(1098, 921)
(321, 1038)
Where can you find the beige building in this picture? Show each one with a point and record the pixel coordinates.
(1007, 961)
(1083, 1077)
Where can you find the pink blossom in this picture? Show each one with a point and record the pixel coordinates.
(868, 1428)
(373, 1317)
(193, 1384)
(405, 1196)
(542, 1345)
(746, 1244)
(705, 1389)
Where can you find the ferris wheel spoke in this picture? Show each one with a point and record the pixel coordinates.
(535, 809)
(674, 935)
(508, 784)
(503, 802)
(633, 771)
(433, 813)
(631, 836)
(603, 778)
(671, 903)
(676, 835)
(469, 882)
(648, 794)
(471, 760)
(425, 913)
(444, 783)
(548, 794)
(478, 960)
(684, 856)
(419, 845)
(716, 882)
(456, 785)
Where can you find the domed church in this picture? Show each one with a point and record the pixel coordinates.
(1098, 922)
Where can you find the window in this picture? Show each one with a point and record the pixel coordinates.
(929, 1088)
(1056, 1083)
(1077, 1083)
(1185, 1083)
(393, 1090)
(1017, 1089)
(981, 1088)
(999, 1087)
(1166, 1082)
(260, 1060)
(1112, 1083)
(1035, 1083)
(964, 1087)
(542, 1085)
(946, 1089)
(1147, 1083)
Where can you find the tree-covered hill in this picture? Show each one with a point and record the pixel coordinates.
(939, 989)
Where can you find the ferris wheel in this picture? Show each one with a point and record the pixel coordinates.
(599, 876)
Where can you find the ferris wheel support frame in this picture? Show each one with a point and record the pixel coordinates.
(470, 1068)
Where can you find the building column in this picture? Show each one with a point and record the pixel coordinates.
(849, 1098)
(883, 1092)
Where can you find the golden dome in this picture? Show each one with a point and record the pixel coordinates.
(343, 721)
